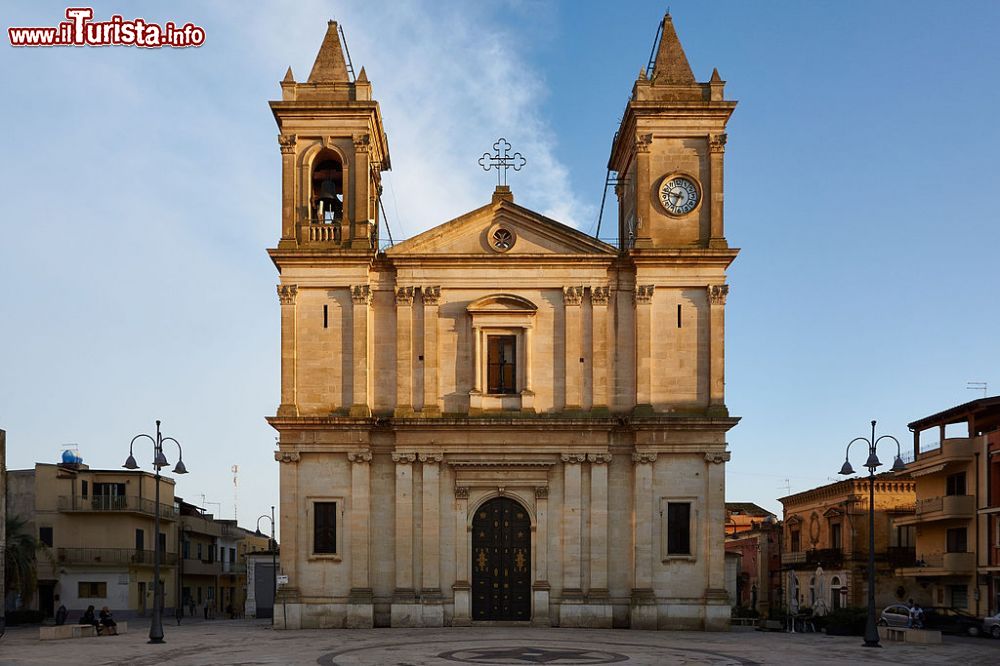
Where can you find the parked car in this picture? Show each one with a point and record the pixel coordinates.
(991, 625)
(896, 615)
(952, 621)
(945, 620)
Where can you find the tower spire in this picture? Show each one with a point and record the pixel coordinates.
(330, 66)
(671, 66)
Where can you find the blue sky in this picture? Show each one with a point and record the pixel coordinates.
(141, 188)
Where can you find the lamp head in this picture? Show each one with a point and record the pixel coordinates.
(160, 460)
(847, 470)
(131, 463)
(898, 465)
(179, 468)
(873, 461)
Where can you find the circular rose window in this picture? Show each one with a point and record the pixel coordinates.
(502, 239)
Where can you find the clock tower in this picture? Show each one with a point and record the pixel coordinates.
(668, 154)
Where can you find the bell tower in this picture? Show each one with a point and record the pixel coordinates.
(333, 152)
(668, 153)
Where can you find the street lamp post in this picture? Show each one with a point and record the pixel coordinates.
(871, 630)
(274, 562)
(159, 460)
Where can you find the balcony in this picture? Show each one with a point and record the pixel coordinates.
(941, 564)
(901, 556)
(826, 557)
(234, 568)
(798, 557)
(112, 557)
(196, 567)
(115, 504)
(942, 507)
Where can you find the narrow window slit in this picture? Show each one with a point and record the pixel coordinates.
(678, 315)
(326, 316)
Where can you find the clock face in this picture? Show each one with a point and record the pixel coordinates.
(679, 195)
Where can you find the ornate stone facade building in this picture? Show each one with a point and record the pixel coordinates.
(503, 418)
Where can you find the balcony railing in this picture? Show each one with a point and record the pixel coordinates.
(950, 563)
(117, 503)
(946, 505)
(112, 556)
(234, 568)
(828, 557)
(798, 557)
(901, 556)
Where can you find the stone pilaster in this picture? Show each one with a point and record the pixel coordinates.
(404, 351)
(430, 540)
(540, 588)
(288, 519)
(599, 522)
(716, 348)
(600, 381)
(286, 296)
(572, 298)
(286, 142)
(572, 523)
(462, 587)
(716, 149)
(405, 611)
(716, 597)
(644, 188)
(361, 296)
(643, 347)
(431, 298)
(643, 604)
(361, 220)
(360, 612)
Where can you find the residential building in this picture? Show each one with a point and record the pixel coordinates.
(827, 528)
(956, 468)
(503, 418)
(98, 529)
(754, 534)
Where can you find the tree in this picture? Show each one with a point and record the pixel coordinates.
(20, 559)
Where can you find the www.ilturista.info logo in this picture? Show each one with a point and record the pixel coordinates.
(80, 30)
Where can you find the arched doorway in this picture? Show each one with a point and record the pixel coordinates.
(501, 561)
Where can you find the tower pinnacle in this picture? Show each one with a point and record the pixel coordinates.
(671, 65)
(330, 66)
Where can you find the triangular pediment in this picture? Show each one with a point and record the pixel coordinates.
(486, 230)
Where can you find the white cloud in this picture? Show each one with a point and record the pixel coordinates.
(449, 83)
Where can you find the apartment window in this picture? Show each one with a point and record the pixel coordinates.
(45, 535)
(163, 542)
(501, 364)
(955, 484)
(957, 540)
(678, 528)
(232, 554)
(109, 496)
(83, 489)
(87, 590)
(140, 540)
(959, 596)
(325, 527)
(906, 536)
(186, 548)
(199, 551)
(794, 541)
(835, 536)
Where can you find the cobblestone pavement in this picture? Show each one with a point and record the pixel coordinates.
(249, 642)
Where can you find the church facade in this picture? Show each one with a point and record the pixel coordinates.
(503, 418)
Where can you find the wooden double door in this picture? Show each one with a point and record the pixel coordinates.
(501, 561)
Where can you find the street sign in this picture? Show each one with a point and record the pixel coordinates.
(282, 580)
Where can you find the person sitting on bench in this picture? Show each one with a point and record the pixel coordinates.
(88, 618)
(108, 623)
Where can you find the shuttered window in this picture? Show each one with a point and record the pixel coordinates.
(501, 367)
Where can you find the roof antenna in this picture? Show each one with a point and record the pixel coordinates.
(347, 52)
(977, 386)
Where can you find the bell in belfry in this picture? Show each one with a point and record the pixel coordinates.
(328, 201)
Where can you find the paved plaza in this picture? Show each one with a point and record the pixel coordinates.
(250, 642)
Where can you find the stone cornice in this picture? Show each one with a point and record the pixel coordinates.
(534, 422)
(494, 464)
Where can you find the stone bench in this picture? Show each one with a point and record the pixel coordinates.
(907, 635)
(62, 631)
